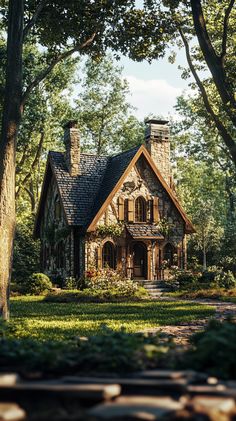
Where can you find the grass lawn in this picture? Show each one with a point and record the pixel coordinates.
(59, 321)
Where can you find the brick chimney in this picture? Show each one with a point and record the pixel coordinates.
(157, 137)
(72, 144)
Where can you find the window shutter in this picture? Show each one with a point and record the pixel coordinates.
(156, 216)
(130, 210)
(150, 210)
(99, 257)
(121, 209)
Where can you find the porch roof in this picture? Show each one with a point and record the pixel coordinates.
(144, 231)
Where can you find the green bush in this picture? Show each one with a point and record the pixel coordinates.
(186, 279)
(217, 278)
(37, 284)
(214, 350)
(70, 283)
(110, 352)
(225, 280)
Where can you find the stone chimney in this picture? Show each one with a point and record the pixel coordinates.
(72, 144)
(157, 137)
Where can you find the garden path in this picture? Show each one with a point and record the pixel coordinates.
(182, 332)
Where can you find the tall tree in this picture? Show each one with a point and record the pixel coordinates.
(206, 30)
(104, 114)
(62, 28)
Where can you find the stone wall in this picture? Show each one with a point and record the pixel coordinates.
(54, 233)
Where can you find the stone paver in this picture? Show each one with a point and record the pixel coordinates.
(182, 332)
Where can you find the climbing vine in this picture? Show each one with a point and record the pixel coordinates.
(113, 230)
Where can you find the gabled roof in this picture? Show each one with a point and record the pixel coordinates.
(109, 193)
(85, 197)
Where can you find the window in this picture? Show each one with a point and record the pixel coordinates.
(140, 210)
(168, 254)
(126, 210)
(108, 255)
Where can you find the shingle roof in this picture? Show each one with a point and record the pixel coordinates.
(139, 231)
(83, 195)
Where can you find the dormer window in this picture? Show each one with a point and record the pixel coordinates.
(140, 210)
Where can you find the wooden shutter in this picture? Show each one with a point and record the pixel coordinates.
(150, 210)
(156, 216)
(130, 210)
(121, 209)
(99, 257)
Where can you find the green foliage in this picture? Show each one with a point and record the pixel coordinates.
(186, 279)
(26, 252)
(114, 352)
(217, 278)
(113, 230)
(37, 283)
(165, 227)
(70, 283)
(214, 350)
(105, 119)
(108, 283)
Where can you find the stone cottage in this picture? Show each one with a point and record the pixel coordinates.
(119, 211)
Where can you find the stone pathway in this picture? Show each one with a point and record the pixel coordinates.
(182, 332)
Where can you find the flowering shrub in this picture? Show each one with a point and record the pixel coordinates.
(110, 283)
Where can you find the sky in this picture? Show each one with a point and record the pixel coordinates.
(154, 87)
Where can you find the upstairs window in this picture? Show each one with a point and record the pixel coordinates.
(140, 210)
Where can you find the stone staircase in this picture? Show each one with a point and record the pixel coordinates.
(154, 288)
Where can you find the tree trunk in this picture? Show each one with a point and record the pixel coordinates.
(204, 258)
(10, 124)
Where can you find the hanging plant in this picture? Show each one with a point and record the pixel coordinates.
(165, 227)
(113, 230)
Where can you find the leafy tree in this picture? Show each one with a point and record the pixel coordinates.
(206, 31)
(26, 252)
(104, 114)
(61, 28)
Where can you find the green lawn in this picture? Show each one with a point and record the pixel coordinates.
(58, 321)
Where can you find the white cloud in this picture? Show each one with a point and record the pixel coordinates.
(153, 96)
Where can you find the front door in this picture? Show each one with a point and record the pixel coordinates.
(140, 260)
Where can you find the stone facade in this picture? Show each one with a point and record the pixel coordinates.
(134, 222)
(140, 182)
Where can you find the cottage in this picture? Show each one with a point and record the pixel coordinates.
(119, 211)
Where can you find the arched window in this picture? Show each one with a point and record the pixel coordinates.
(108, 255)
(168, 254)
(140, 210)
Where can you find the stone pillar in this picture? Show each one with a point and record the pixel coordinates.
(72, 144)
(157, 138)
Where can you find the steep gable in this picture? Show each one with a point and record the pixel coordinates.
(112, 183)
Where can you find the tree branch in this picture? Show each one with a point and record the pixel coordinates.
(42, 75)
(34, 18)
(225, 30)
(33, 165)
(229, 141)
(213, 61)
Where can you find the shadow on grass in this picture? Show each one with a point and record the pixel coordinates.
(60, 321)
